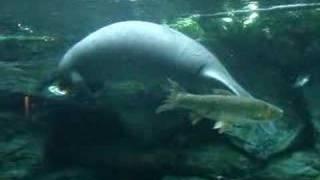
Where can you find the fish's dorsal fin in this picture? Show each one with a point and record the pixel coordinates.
(175, 87)
(170, 102)
(222, 92)
(195, 118)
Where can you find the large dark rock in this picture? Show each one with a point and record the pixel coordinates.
(182, 178)
(302, 165)
(312, 96)
(263, 140)
(70, 174)
(20, 146)
(216, 161)
(136, 103)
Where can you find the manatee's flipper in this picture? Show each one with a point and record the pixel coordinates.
(80, 89)
(171, 102)
(221, 126)
(195, 118)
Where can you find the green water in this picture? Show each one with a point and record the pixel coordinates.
(271, 48)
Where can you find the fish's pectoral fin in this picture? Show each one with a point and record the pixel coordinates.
(222, 92)
(195, 118)
(80, 87)
(221, 126)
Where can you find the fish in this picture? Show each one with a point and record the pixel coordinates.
(225, 109)
(138, 51)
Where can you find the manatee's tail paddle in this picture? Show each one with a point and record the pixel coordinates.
(171, 102)
(227, 80)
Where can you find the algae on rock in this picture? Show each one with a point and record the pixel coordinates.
(304, 165)
(189, 26)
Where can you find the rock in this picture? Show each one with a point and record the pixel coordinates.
(263, 140)
(182, 178)
(216, 160)
(304, 165)
(70, 174)
(312, 96)
(136, 103)
(20, 150)
(278, 58)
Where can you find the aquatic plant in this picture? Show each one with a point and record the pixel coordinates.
(4, 38)
(189, 26)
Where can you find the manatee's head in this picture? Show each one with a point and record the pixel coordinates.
(55, 84)
(265, 111)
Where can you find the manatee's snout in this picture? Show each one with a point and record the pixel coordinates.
(65, 86)
(46, 82)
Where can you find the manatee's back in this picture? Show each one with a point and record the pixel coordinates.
(139, 50)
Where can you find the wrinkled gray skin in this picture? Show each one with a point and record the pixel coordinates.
(136, 50)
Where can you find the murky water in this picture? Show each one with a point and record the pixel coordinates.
(92, 114)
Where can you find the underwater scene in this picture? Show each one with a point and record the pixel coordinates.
(160, 90)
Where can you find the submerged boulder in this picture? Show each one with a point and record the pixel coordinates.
(20, 147)
(217, 160)
(304, 165)
(136, 103)
(70, 174)
(312, 96)
(265, 139)
(182, 178)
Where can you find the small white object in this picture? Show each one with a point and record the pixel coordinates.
(55, 90)
(227, 19)
(302, 80)
(218, 125)
(253, 16)
(253, 5)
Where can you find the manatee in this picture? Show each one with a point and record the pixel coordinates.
(138, 50)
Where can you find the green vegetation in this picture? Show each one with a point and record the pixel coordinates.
(189, 26)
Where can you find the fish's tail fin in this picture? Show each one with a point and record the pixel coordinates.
(171, 101)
